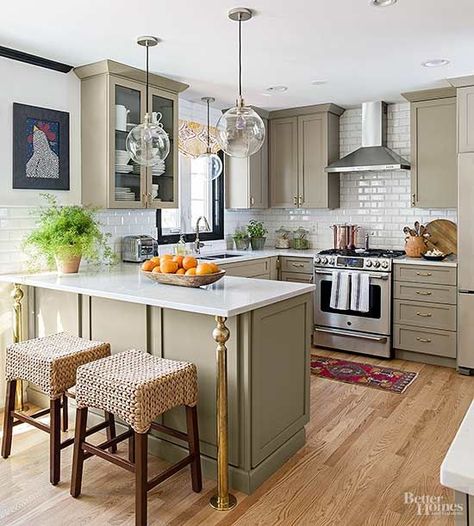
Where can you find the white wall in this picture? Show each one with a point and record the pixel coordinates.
(37, 86)
(377, 201)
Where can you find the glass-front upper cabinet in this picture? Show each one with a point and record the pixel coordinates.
(127, 187)
(113, 101)
(162, 178)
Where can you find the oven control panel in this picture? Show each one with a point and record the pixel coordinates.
(353, 262)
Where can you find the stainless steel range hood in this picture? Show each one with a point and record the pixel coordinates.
(374, 154)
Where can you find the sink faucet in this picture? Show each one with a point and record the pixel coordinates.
(197, 244)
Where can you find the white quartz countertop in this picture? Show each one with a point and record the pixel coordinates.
(457, 469)
(450, 261)
(248, 255)
(230, 296)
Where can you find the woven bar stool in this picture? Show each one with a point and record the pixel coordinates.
(50, 363)
(137, 388)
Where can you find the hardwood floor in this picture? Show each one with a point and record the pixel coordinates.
(365, 448)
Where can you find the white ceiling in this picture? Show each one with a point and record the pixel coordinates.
(364, 53)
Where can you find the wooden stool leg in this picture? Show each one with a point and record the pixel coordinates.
(78, 454)
(141, 478)
(193, 440)
(65, 413)
(55, 440)
(131, 448)
(111, 432)
(8, 419)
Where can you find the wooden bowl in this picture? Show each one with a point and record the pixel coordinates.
(184, 281)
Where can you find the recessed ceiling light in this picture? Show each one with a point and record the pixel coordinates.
(435, 63)
(382, 3)
(318, 82)
(277, 89)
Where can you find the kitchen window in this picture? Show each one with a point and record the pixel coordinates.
(197, 197)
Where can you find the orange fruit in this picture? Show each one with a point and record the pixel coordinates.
(214, 267)
(189, 262)
(148, 265)
(180, 271)
(179, 260)
(203, 269)
(168, 266)
(156, 260)
(157, 269)
(191, 271)
(166, 256)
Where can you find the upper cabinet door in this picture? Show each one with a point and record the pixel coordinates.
(162, 179)
(127, 187)
(258, 173)
(434, 156)
(312, 159)
(465, 119)
(284, 162)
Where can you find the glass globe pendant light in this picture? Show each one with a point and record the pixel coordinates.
(241, 131)
(148, 143)
(213, 162)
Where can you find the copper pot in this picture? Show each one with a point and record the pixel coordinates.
(345, 236)
(415, 246)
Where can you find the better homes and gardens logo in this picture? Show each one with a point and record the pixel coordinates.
(432, 505)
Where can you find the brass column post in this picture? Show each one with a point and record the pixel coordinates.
(17, 295)
(223, 501)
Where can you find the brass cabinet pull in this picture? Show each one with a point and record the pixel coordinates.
(424, 314)
(300, 200)
(413, 200)
(424, 274)
(423, 340)
(423, 293)
(295, 200)
(297, 265)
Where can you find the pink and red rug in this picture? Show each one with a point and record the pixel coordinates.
(385, 378)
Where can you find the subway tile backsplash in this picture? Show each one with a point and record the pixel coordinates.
(377, 201)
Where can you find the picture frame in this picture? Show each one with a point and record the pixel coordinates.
(40, 148)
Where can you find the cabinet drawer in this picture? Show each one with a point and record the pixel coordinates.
(439, 275)
(425, 314)
(426, 341)
(430, 293)
(301, 265)
(248, 269)
(298, 277)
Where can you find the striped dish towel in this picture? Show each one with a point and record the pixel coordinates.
(360, 292)
(340, 290)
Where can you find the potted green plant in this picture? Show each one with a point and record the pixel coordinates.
(66, 234)
(257, 232)
(241, 239)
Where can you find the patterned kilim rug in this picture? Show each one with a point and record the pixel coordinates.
(385, 378)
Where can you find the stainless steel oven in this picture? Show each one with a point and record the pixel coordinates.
(361, 332)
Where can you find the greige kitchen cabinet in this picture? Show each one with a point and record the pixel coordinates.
(465, 100)
(263, 268)
(425, 312)
(246, 180)
(296, 269)
(284, 163)
(105, 85)
(303, 141)
(433, 151)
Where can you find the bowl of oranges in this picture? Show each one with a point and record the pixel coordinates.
(184, 271)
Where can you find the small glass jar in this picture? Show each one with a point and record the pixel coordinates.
(282, 238)
(300, 239)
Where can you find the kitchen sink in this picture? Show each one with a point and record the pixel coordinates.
(221, 256)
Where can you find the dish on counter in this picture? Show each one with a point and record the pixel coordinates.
(434, 255)
(183, 271)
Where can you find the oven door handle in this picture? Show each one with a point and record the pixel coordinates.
(340, 332)
(374, 276)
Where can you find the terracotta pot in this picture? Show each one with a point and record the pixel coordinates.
(68, 264)
(415, 246)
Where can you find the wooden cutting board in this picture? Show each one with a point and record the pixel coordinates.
(444, 235)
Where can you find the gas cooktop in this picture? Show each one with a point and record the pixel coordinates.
(370, 253)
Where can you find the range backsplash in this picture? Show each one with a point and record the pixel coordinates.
(377, 201)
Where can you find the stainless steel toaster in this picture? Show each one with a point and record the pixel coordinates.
(136, 249)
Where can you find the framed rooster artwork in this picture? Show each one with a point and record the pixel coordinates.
(40, 148)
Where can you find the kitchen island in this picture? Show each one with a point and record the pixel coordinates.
(267, 352)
